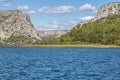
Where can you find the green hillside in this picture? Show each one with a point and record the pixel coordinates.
(103, 31)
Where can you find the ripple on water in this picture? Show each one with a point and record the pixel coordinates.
(59, 64)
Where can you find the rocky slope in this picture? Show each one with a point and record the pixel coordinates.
(14, 23)
(108, 9)
(104, 11)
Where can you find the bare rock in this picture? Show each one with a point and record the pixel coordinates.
(14, 23)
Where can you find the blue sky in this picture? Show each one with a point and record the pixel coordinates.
(55, 14)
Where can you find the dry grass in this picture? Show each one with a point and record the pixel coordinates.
(73, 46)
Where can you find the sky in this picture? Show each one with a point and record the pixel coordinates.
(55, 14)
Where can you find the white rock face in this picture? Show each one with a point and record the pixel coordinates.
(53, 33)
(13, 22)
(109, 9)
(104, 11)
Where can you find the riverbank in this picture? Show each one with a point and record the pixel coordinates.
(72, 46)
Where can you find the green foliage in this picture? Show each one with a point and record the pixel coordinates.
(104, 31)
(1, 43)
(40, 42)
(117, 42)
(18, 40)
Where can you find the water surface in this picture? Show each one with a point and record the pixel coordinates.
(59, 63)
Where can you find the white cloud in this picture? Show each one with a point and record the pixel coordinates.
(66, 9)
(62, 25)
(63, 9)
(86, 7)
(24, 7)
(45, 10)
(52, 26)
(7, 5)
(86, 18)
(60, 9)
(6, 0)
(31, 12)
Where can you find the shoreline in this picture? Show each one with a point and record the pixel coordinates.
(71, 46)
(64, 46)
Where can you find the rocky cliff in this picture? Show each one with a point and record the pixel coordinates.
(108, 9)
(104, 11)
(14, 23)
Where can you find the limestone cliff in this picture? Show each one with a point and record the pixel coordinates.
(104, 11)
(108, 9)
(14, 23)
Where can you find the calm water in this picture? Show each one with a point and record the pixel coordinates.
(59, 64)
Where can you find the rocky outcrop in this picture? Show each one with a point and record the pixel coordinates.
(14, 23)
(104, 11)
(109, 9)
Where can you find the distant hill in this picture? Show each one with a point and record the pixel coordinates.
(51, 34)
(16, 28)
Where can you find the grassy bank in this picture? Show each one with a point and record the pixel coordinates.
(72, 46)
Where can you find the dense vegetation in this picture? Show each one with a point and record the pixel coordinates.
(18, 40)
(103, 31)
